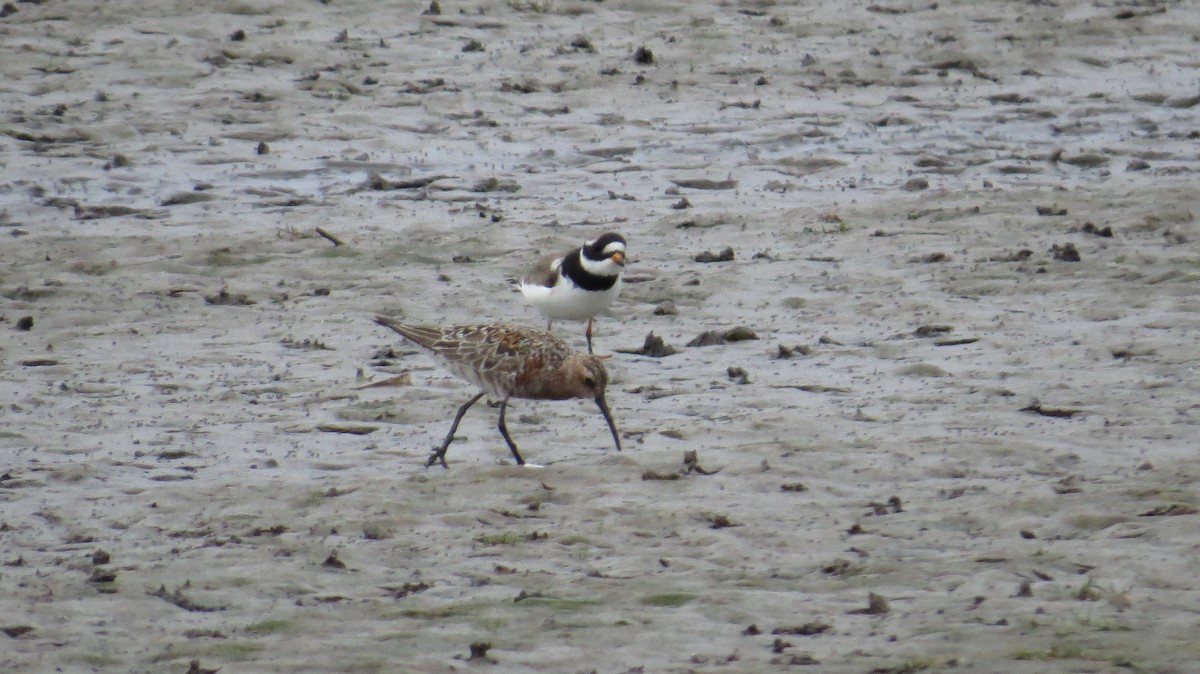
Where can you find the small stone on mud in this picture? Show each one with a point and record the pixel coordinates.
(708, 338)
(102, 576)
(643, 55)
(195, 668)
(876, 605)
(707, 256)
(582, 43)
(720, 522)
(716, 337)
(117, 161)
(740, 333)
(691, 463)
(738, 375)
(839, 567)
(786, 352)
(479, 651)
(225, 298)
(1089, 228)
(1066, 252)
(654, 346)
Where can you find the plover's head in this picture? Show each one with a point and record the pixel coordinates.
(604, 255)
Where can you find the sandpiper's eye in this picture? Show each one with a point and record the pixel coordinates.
(589, 381)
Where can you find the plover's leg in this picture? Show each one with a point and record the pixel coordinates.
(589, 336)
(504, 431)
(439, 454)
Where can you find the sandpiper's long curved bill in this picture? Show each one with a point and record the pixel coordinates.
(612, 426)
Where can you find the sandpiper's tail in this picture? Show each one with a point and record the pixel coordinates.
(419, 334)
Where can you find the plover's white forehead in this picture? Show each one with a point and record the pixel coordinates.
(614, 247)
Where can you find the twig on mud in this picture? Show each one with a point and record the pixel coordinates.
(336, 241)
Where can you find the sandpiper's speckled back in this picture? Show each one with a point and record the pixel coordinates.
(508, 360)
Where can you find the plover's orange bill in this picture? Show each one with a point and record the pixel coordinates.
(577, 285)
(510, 361)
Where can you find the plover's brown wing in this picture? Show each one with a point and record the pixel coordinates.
(545, 272)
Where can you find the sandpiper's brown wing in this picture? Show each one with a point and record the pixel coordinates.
(478, 342)
(501, 345)
(423, 335)
(545, 272)
(492, 356)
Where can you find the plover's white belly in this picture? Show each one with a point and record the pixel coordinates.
(566, 302)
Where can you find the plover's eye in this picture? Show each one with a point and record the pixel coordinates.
(589, 381)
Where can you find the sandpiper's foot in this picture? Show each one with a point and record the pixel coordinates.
(438, 456)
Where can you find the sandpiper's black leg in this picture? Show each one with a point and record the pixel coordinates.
(439, 454)
(504, 431)
(589, 336)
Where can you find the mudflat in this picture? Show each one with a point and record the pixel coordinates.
(904, 365)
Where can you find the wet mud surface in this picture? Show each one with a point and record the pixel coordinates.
(904, 365)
